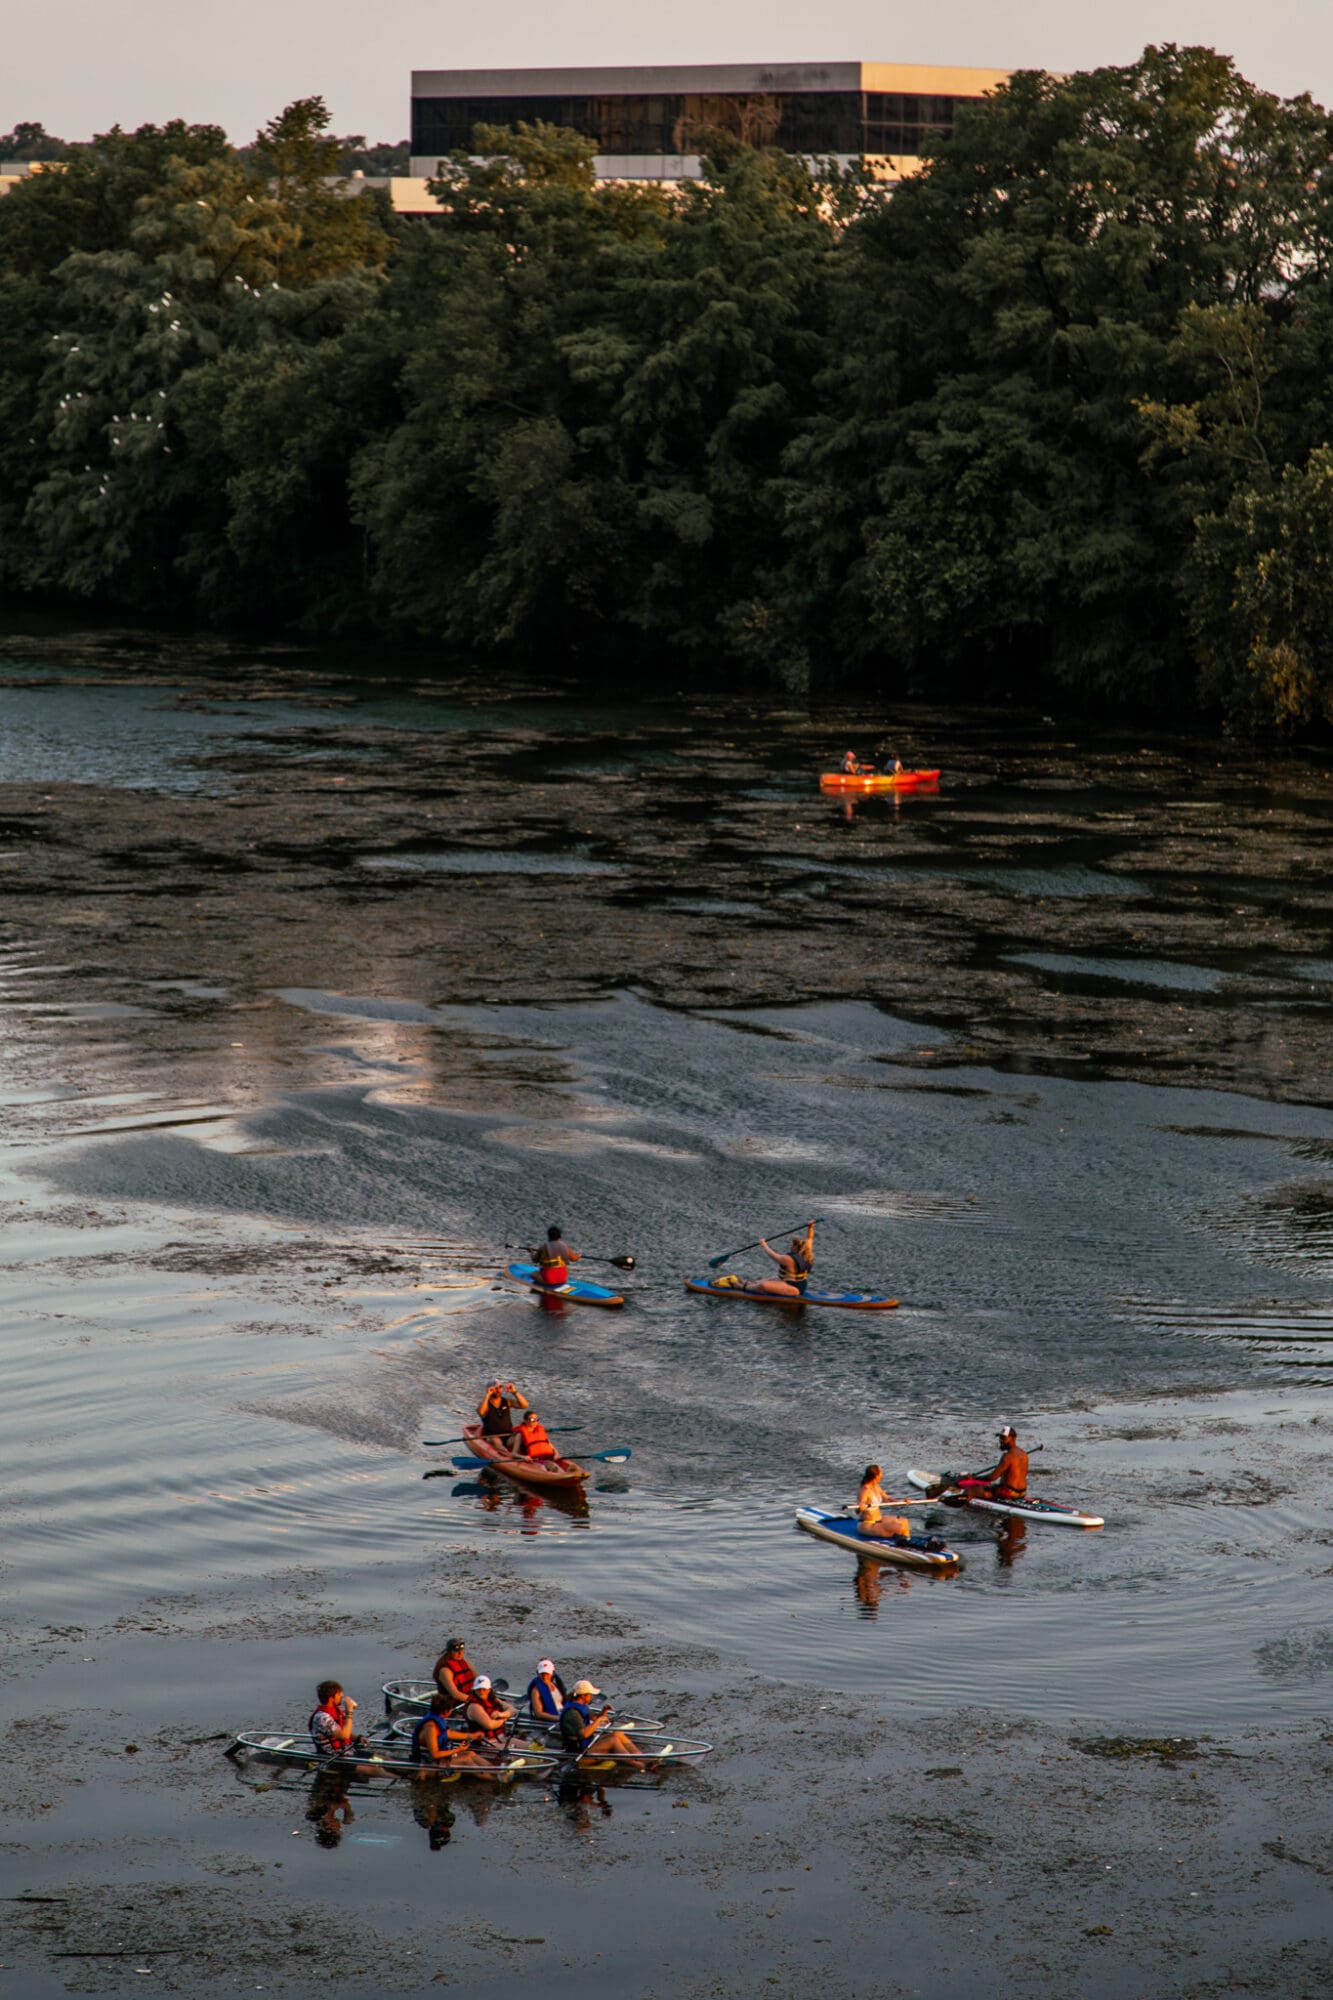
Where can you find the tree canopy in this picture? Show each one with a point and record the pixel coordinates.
(1057, 413)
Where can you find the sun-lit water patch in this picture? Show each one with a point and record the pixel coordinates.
(489, 861)
(911, 1204)
(1282, 1331)
(1162, 973)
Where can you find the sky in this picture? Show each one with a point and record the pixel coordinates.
(83, 65)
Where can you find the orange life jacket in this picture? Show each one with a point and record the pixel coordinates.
(535, 1441)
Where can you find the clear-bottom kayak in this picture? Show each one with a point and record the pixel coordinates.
(387, 1752)
(846, 1531)
(1026, 1509)
(655, 1748)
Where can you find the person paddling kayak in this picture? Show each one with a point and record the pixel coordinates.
(795, 1266)
(1007, 1479)
(554, 1257)
(852, 767)
(432, 1742)
(870, 1505)
(581, 1730)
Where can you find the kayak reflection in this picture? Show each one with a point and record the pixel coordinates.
(496, 1496)
(577, 1795)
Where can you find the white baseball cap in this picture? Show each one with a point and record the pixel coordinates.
(584, 1687)
(1008, 1431)
(482, 1681)
(546, 1666)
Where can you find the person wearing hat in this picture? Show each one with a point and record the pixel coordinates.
(581, 1730)
(1007, 1479)
(453, 1673)
(485, 1716)
(546, 1692)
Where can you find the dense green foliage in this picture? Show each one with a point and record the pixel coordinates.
(1059, 412)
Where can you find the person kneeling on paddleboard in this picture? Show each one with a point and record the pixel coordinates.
(530, 1438)
(1007, 1478)
(870, 1503)
(795, 1265)
(554, 1257)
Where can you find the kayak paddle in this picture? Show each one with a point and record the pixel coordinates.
(555, 1430)
(713, 1262)
(616, 1457)
(625, 1262)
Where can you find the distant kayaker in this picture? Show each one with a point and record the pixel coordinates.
(795, 1266)
(554, 1257)
(889, 765)
(581, 1730)
(1007, 1479)
(530, 1438)
(870, 1505)
(546, 1692)
(453, 1674)
(496, 1410)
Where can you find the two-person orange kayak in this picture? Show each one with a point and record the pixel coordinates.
(878, 781)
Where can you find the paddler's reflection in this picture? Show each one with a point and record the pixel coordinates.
(1010, 1540)
(868, 1585)
(430, 1811)
(578, 1795)
(329, 1809)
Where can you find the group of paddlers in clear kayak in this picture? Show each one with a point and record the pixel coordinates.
(468, 1724)
(1007, 1479)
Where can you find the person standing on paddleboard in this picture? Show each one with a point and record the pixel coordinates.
(795, 1265)
(554, 1257)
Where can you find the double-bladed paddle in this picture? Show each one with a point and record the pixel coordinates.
(615, 1457)
(626, 1262)
(713, 1262)
(553, 1430)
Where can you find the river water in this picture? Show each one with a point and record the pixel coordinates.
(255, 1209)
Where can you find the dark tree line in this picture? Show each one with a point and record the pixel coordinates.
(1057, 413)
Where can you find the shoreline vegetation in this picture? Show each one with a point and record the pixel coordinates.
(1054, 420)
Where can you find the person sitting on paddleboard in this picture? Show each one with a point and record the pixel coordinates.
(578, 1726)
(1007, 1478)
(554, 1257)
(870, 1503)
(496, 1410)
(795, 1265)
(453, 1674)
(530, 1438)
(546, 1692)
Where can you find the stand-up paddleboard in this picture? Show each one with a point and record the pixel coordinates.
(578, 1291)
(1026, 1509)
(845, 1530)
(852, 1301)
(878, 781)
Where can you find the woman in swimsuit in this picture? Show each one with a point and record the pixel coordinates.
(795, 1265)
(870, 1503)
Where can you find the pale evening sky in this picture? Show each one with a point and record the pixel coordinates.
(80, 66)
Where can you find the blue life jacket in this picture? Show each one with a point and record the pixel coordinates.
(550, 1700)
(574, 1719)
(442, 1726)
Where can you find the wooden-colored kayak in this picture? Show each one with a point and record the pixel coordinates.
(878, 781)
(528, 1471)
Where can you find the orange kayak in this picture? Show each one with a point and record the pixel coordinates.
(531, 1471)
(879, 781)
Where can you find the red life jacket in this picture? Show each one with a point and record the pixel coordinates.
(463, 1675)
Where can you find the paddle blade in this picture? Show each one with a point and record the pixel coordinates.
(471, 1464)
(616, 1457)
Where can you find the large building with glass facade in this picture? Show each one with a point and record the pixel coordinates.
(653, 124)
